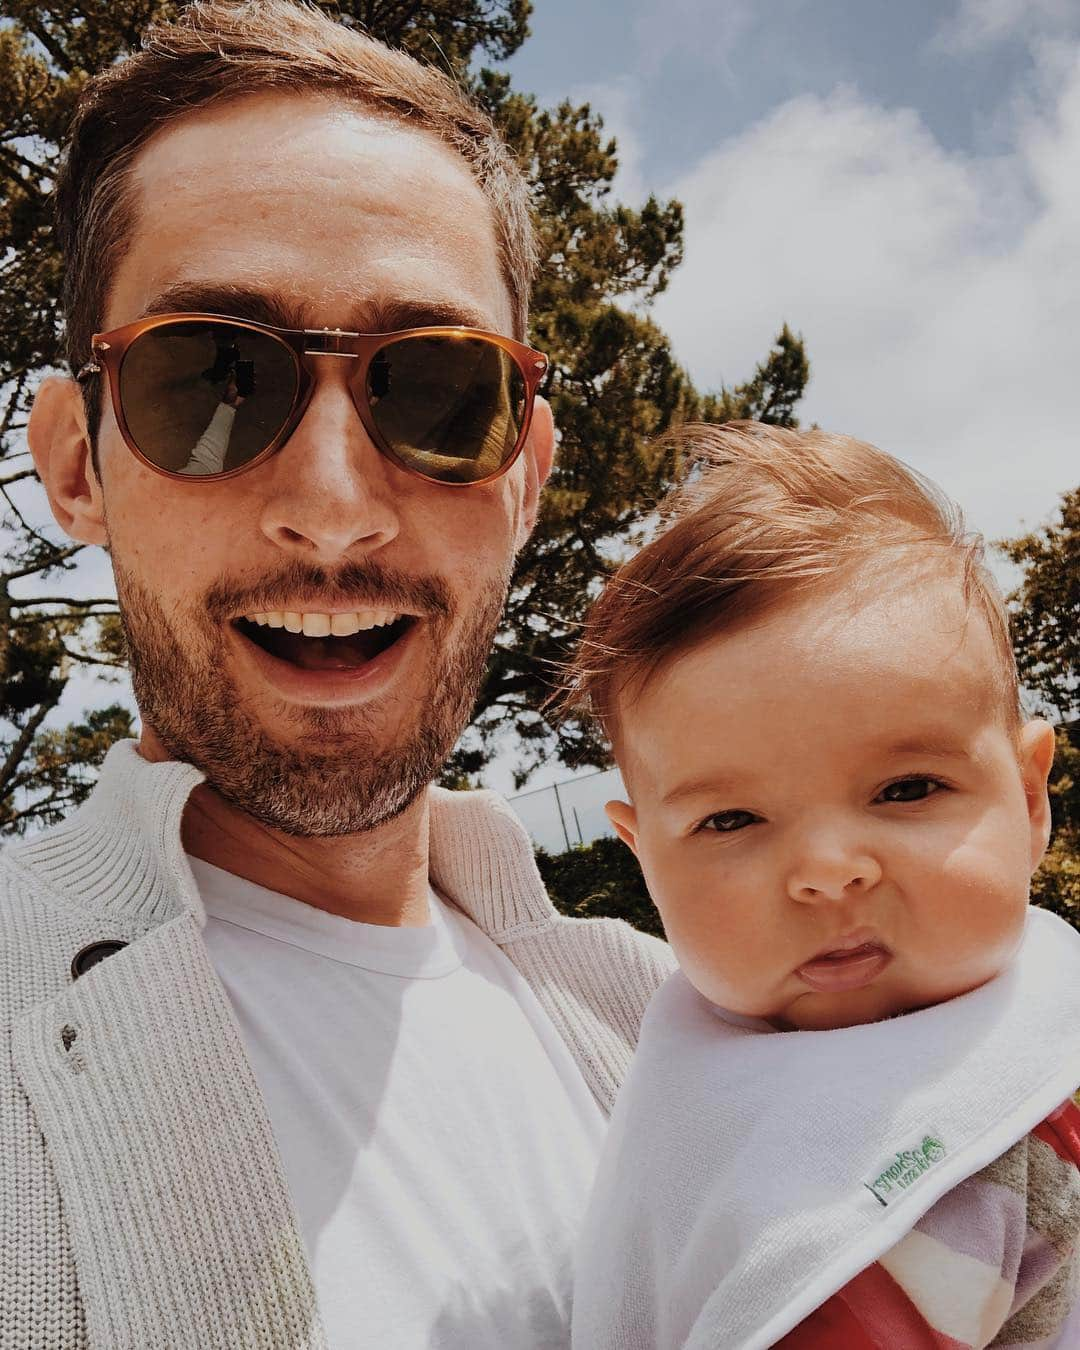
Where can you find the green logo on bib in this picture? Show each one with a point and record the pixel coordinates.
(904, 1169)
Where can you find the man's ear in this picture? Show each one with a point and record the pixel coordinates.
(623, 818)
(1036, 760)
(538, 456)
(60, 444)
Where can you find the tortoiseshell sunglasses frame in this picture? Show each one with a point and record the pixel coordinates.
(109, 350)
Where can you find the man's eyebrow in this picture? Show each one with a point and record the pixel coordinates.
(241, 302)
(389, 315)
(274, 308)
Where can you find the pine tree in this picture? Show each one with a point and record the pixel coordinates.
(1046, 638)
(614, 382)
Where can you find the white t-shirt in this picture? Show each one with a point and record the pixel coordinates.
(438, 1139)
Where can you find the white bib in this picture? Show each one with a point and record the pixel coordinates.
(749, 1173)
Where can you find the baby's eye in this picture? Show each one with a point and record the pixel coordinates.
(727, 822)
(909, 790)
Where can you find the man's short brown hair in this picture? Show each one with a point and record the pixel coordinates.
(220, 50)
(763, 514)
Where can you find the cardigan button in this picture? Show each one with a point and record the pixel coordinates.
(90, 956)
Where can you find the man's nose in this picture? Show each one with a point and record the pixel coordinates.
(832, 865)
(328, 490)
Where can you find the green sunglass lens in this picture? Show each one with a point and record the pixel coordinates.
(203, 398)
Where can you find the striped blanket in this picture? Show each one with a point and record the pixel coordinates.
(995, 1262)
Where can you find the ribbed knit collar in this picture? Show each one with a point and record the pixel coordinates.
(120, 854)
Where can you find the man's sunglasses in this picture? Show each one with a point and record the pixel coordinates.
(450, 405)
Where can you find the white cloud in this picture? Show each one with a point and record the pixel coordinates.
(981, 23)
(939, 294)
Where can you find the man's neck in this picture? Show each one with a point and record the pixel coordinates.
(378, 877)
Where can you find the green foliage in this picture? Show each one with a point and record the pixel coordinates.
(773, 392)
(44, 773)
(1045, 614)
(614, 383)
(1056, 885)
(62, 766)
(446, 33)
(1046, 610)
(602, 879)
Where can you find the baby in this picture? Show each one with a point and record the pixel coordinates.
(849, 1120)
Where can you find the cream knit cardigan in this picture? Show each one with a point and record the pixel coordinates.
(143, 1203)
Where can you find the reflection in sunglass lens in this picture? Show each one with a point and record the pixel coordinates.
(449, 407)
(201, 397)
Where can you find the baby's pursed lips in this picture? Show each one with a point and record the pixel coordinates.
(849, 962)
(849, 942)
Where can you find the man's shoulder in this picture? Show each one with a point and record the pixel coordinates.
(605, 952)
(26, 896)
(594, 978)
(40, 933)
(483, 859)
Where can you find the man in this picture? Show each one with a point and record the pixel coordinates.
(300, 1054)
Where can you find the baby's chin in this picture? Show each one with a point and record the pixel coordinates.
(830, 1012)
(893, 993)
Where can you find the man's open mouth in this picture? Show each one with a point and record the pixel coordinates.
(325, 652)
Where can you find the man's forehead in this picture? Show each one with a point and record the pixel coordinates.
(317, 214)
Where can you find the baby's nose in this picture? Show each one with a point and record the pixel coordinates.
(834, 875)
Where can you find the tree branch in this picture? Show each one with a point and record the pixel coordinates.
(58, 600)
(19, 376)
(34, 534)
(40, 567)
(22, 743)
(49, 43)
(13, 157)
(14, 478)
(92, 661)
(35, 809)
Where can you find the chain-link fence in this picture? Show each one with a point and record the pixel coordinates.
(565, 814)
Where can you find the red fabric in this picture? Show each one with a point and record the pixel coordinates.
(833, 1326)
(1061, 1131)
(871, 1312)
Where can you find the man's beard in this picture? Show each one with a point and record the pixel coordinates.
(186, 694)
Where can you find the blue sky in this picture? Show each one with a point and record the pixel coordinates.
(899, 182)
(682, 75)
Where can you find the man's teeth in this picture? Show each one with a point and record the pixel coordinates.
(325, 625)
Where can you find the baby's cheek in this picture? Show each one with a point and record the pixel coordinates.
(699, 931)
(729, 927)
(976, 911)
(733, 963)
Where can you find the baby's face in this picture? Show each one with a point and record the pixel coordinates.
(833, 817)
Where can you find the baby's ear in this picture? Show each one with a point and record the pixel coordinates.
(623, 818)
(1036, 760)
